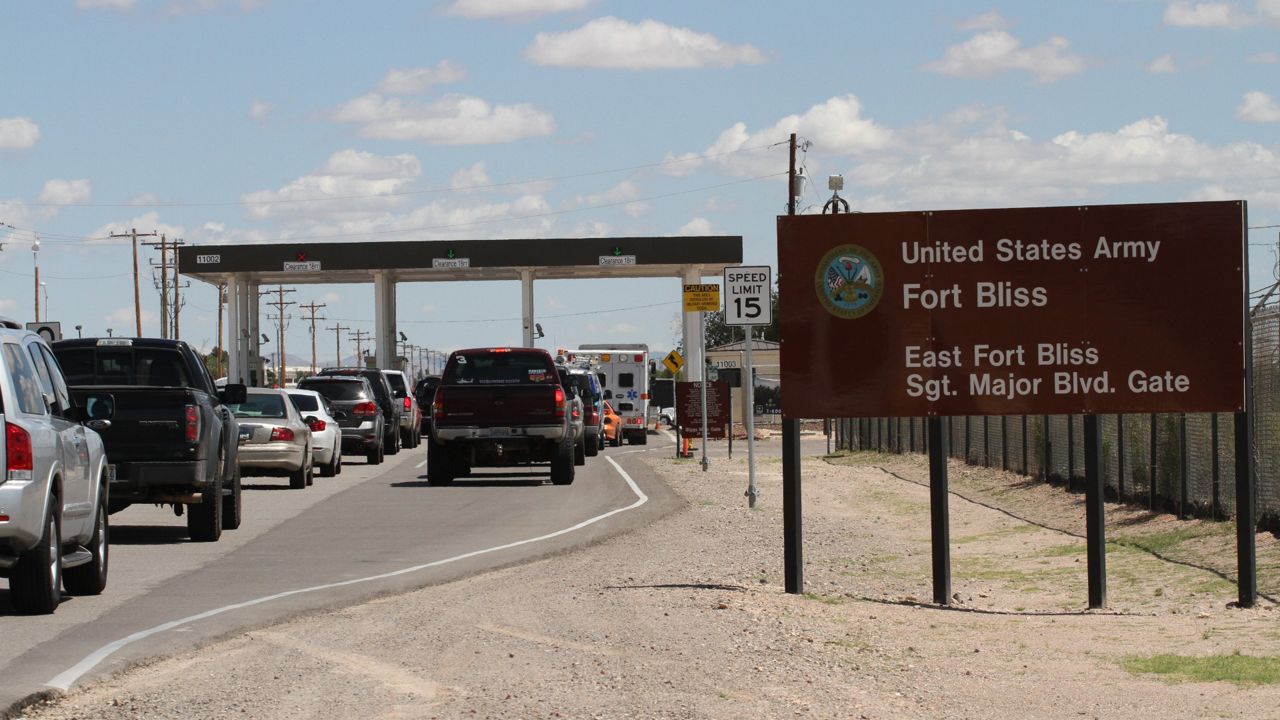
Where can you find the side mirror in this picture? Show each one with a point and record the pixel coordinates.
(233, 394)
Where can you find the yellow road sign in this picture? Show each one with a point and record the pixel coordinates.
(702, 298)
(673, 361)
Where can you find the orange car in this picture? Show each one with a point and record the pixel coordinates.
(612, 426)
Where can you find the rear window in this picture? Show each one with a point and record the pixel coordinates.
(304, 403)
(123, 366)
(336, 390)
(260, 406)
(626, 380)
(25, 381)
(398, 387)
(500, 368)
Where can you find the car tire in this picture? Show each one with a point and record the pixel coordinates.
(580, 452)
(393, 447)
(327, 469)
(439, 465)
(91, 578)
(593, 445)
(617, 440)
(204, 519)
(232, 502)
(298, 478)
(640, 438)
(311, 468)
(35, 583)
(562, 465)
(337, 463)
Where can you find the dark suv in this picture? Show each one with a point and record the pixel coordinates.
(383, 395)
(355, 407)
(424, 391)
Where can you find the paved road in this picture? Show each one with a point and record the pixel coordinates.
(367, 522)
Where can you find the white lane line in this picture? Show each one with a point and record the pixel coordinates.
(64, 680)
(424, 462)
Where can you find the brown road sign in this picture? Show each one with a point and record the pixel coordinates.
(1098, 309)
(689, 409)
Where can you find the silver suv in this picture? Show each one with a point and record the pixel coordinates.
(53, 479)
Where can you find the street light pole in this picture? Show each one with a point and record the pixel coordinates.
(35, 260)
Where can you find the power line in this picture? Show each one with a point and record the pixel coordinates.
(408, 193)
(509, 319)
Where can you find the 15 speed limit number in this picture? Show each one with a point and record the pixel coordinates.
(747, 296)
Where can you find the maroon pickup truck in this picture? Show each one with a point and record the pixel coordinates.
(500, 407)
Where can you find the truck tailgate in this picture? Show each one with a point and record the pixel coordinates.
(149, 422)
(498, 405)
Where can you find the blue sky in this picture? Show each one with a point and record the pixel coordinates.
(232, 121)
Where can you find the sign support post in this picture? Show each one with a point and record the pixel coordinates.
(748, 302)
(939, 511)
(1095, 517)
(702, 334)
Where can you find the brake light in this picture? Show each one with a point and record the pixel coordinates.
(497, 350)
(281, 434)
(576, 414)
(437, 404)
(408, 403)
(19, 460)
(193, 423)
(644, 396)
(316, 425)
(559, 398)
(639, 358)
(365, 408)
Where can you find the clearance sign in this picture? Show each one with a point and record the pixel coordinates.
(1098, 309)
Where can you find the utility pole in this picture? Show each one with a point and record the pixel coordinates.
(312, 308)
(337, 343)
(137, 297)
(360, 336)
(280, 304)
(169, 307)
(177, 303)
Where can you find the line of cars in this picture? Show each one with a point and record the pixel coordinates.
(94, 425)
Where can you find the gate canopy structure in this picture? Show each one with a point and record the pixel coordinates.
(244, 268)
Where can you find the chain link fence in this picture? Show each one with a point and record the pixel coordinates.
(1181, 463)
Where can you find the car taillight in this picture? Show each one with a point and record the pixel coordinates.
(316, 425)
(19, 461)
(559, 397)
(193, 423)
(639, 358)
(365, 408)
(437, 404)
(576, 414)
(408, 404)
(281, 434)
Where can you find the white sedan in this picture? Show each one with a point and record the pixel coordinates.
(326, 436)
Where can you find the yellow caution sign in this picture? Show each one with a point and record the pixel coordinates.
(673, 361)
(702, 298)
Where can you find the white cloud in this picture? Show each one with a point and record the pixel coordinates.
(1184, 13)
(1258, 107)
(360, 182)
(415, 81)
(1269, 10)
(197, 7)
(8, 307)
(1163, 65)
(120, 5)
(451, 120)
(609, 42)
(147, 222)
(1265, 58)
(987, 21)
(696, 226)
(837, 126)
(470, 177)
(260, 109)
(18, 133)
(995, 51)
(512, 9)
(65, 192)
(331, 297)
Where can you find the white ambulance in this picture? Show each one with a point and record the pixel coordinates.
(623, 371)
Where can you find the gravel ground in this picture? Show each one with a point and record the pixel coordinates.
(687, 618)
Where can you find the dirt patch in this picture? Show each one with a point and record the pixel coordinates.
(688, 618)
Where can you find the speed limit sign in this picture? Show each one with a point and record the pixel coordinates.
(747, 297)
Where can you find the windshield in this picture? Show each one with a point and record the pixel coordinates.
(260, 406)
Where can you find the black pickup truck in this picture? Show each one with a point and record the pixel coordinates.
(497, 407)
(172, 439)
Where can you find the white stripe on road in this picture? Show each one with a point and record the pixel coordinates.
(424, 462)
(65, 679)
